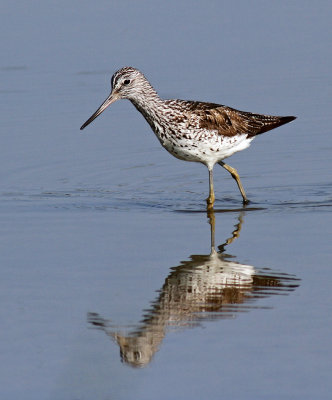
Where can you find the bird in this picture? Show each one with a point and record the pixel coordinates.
(191, 130)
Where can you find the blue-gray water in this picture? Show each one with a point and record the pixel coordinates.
(104, 242)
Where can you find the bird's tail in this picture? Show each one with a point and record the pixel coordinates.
(264, 123)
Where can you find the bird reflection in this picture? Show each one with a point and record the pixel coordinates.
(206, 287)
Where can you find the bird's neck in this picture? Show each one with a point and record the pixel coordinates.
(148, 102)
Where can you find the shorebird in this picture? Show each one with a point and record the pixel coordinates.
(191, 130)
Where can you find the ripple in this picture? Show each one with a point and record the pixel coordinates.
(309, 198)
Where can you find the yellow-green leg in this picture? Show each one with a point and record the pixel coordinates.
(210, 200)
(236, 176)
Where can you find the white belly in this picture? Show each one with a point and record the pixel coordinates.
(208, 150)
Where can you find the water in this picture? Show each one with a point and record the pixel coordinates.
(115, 282)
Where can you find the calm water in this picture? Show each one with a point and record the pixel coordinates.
(115, 283)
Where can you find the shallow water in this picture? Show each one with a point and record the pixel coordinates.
(115, 281)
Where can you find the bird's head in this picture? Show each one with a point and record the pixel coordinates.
(127, 83)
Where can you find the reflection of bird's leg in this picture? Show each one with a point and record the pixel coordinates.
(212, 222)
(210, 200)
(236, 176)
(235, 233)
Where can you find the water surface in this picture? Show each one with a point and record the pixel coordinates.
(115, 281)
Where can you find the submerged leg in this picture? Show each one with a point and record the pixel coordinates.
(236, 176)
(211, 198)
(212, 222)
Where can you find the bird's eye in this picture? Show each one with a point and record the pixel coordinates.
(126, 81)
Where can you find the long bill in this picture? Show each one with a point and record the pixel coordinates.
(110, 99)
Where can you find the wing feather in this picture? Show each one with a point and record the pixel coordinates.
(230, 122)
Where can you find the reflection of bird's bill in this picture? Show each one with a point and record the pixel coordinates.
(110, 99)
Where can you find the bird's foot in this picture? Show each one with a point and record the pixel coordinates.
(210, 202)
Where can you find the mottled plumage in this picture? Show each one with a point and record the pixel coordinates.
(191, 130)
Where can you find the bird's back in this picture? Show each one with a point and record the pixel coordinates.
(225, 120)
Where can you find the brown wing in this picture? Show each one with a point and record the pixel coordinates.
(230, 122)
